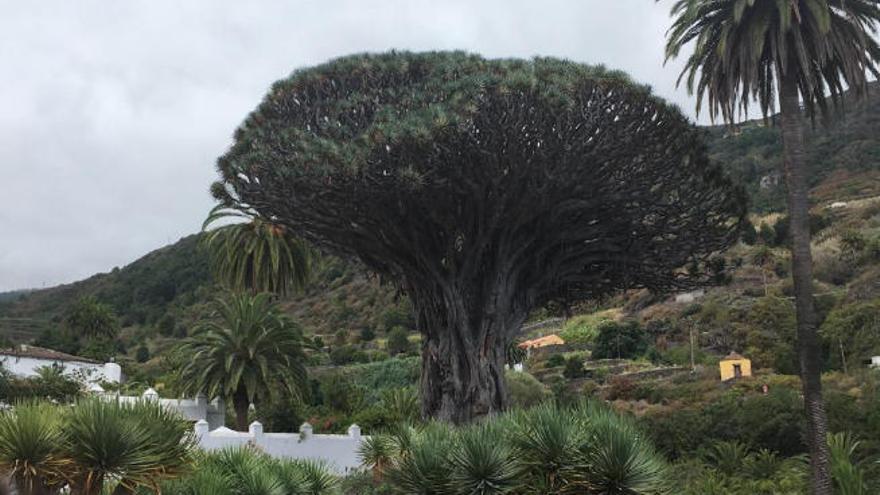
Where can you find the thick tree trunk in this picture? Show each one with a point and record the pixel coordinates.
(241, 404)
(809, 352)
(463, 354)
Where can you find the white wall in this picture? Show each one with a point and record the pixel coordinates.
(214, 412)
(93, 372)
(340, 451)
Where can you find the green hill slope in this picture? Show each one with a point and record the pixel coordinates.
(174, 282)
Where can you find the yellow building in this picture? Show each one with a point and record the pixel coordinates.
(734, 366)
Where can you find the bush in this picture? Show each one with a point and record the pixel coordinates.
(348, 354)
(624, 340)
(166, 325)
(555, 360)
(143, 354)
(398, 341)
(620, 388)
(525, 390)
(367, 334)
(583, 329)
(399, 316)
(574, 368)
(749, 234)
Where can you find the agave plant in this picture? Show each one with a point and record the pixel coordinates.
(481, 464)
(545, 442)
(126, 445)
(247, 471)
(376, 452)
(544, 450)
(617, 458)
(30, 458)
(423, 465)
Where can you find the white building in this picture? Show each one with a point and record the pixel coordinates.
(25, 360)
(875, 361)
(198, 409)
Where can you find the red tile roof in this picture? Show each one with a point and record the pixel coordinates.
(733, 356)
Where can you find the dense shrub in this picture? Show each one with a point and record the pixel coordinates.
(398, 341)
(50, 383)
(525, 390)
(574, 368)
(853, 331)
(348, 354)
(142, 354)
(555, 360)
(367, 334)
(622, 340)
(583, 329)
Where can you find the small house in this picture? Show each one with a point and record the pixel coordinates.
(734, 366)
(26, 360)
(545, 341)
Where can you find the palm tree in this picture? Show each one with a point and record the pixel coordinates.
(243, 353)
(255, 254)
(91, 318)
(799, 51)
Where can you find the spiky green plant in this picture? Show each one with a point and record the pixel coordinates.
(617, 458)
(314, 477)
(30, 457)
(376, 453)
(799, 52)
(127, 445)
(728, 456)
(250, 472)
(254, 253)
(243, 352)
(545, 443)
(481, 464)
(423, 465)
(845, 470)
(544, 450)
(401, 404)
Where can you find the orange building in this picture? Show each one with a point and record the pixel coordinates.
(544, 341)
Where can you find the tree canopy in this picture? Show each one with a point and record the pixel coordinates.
(483, 188)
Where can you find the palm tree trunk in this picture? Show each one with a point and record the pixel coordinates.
(802, 271)
(241, 403)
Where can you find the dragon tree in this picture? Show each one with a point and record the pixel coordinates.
(483, 189)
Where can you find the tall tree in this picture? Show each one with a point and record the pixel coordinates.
(799, 52)
(483, 188)
(251, 252)
(245, 353)
(91, 318)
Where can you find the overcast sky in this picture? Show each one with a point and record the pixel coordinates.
(113, 112)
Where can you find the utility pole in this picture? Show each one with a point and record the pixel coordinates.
(693, 363)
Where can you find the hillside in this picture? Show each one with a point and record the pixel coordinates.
(168, 288)
(843, 154)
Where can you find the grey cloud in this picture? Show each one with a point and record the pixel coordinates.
(112, 113)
